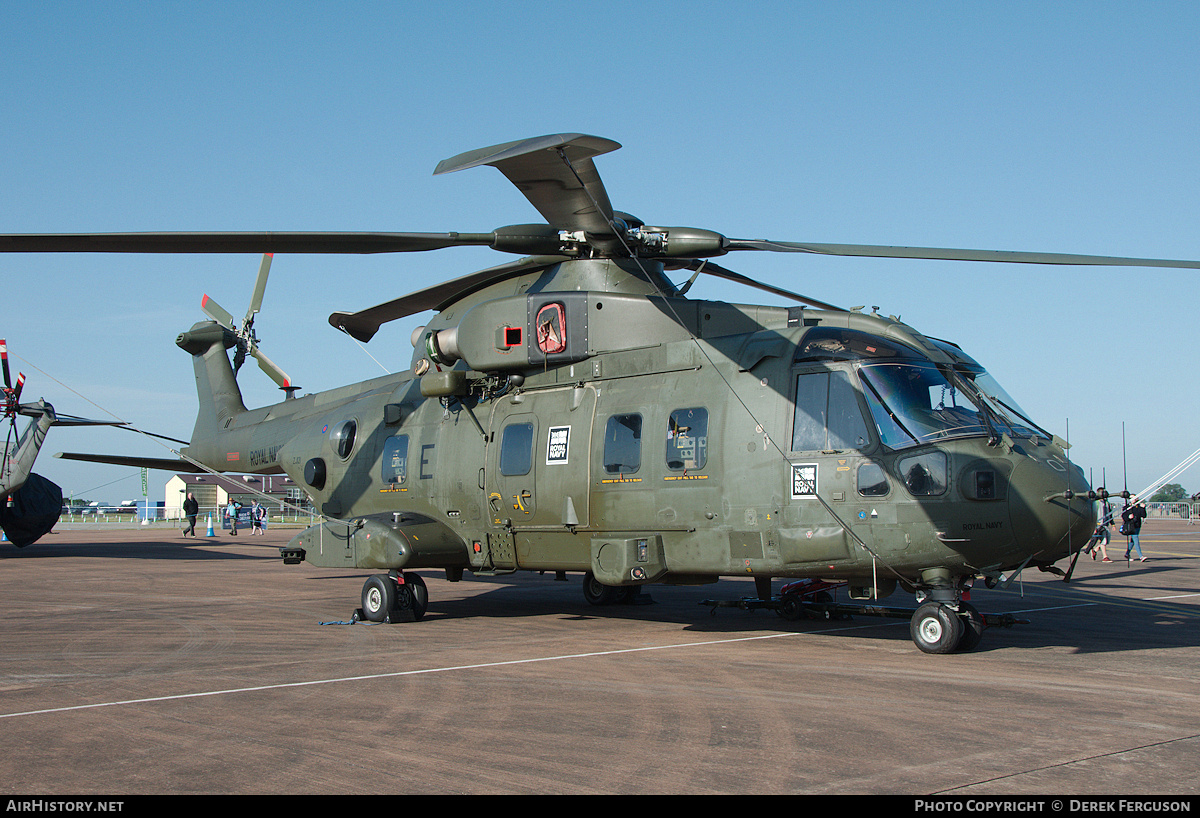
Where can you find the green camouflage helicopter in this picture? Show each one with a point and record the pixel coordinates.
(30, 504)
(573, 411)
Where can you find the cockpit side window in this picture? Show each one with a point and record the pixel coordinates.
(827, 416)
(925, 475)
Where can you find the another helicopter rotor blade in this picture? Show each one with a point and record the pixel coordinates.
(568, 197)
(4, 359)
(951, 254)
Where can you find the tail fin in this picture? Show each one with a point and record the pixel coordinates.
(216, 387)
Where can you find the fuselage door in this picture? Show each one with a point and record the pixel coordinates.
(538, 458)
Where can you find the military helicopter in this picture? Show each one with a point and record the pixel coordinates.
(574, 411)
(30, 504)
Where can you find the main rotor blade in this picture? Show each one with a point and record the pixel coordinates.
(363, 325)
(296, 242)
(40, 408)
(729, 275)
(950, 254)
(569, 197)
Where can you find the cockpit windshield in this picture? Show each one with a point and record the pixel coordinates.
(915, 403)
(912, 400)
(1009, 416)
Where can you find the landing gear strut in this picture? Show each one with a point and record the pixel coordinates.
(393, 597)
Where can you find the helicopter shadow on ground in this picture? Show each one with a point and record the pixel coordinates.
(1094, 614)
(1085, 622)
(187, 550)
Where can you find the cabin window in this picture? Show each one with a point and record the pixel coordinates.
(924, 475)
(516, 449)
(827, 415)
(872, 480)
(623, 444)
(343, 439)
(687, 439)
(395, 460)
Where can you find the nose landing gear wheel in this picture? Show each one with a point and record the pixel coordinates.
(973, 626)
(413, 596)
(935, 628)
(378, 598)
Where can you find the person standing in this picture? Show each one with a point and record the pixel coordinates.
(258, 514)
(1100, 538)
(191, 509)
(1132, 517)
(231, 511)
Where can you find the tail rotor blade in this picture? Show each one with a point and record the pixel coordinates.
(216, 312)
(247, 342)
(20, 385)
(260, 286)
(273, 371)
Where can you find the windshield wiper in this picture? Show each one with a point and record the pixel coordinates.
(888, 410)
(1022, 417)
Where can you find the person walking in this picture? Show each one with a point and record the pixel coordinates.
(1132, 517)
(191, 509)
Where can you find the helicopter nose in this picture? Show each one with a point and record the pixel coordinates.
(1044, 519)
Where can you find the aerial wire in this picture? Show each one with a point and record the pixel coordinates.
(769, 437)
(159, 440)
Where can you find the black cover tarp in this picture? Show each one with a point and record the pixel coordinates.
(32, 511)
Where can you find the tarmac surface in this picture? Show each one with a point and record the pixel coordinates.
(139, 662)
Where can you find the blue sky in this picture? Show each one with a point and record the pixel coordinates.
(1060, 127)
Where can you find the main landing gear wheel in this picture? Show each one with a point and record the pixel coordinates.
(936, 628)
(596, 592)
(790, 609)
